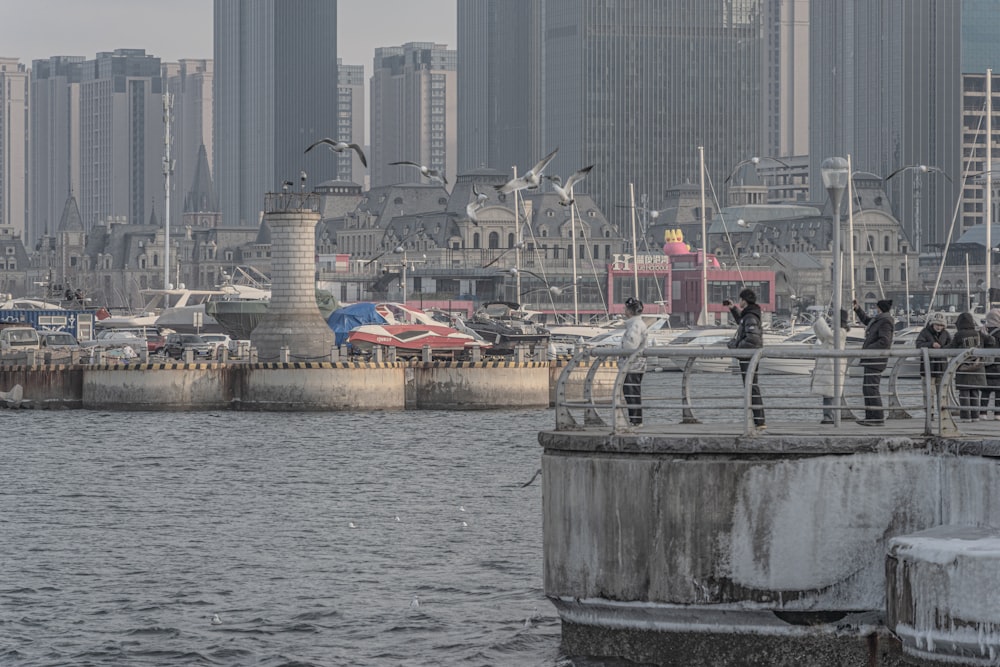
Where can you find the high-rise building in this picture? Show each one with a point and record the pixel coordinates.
(631, 87)
(121, 136)
(980, 52)
(500, 108)
(350, 120)
(885, 88)
(14, 106)
(275, 87)
(190, 83)
(786, 68)
(413, 111)
(55, 142)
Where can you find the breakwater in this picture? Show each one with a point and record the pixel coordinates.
(291, 386)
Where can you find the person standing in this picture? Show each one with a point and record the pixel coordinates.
(934, 336)
(749, 335)
(878, 336)
(992, 388)
(971, 375)
(633, 343)
(822, 378)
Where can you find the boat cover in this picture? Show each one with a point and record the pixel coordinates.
(344, 319)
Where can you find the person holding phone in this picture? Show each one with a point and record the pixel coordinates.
(749, 335)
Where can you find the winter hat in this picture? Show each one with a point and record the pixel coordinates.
(993, 318)
(844, 321)
(884, 305)
(748, 295)
(939, 318)
(633, 304)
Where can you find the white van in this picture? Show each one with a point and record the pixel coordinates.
(15, 339)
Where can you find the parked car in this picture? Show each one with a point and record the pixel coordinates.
(16, 339)
(59, 340)
(218, 340)
(178, 343)
(155, 342)
(110, 338)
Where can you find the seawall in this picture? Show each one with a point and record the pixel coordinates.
(293, 386)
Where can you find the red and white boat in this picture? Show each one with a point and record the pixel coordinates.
(410, 329)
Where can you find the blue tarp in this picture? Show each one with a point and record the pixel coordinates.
(344, 319)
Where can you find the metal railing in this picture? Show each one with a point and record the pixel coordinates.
(913, 401)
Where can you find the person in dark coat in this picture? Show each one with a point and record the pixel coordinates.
(971, 376)
(934, 336)
(992, 388)
(749, 335)
(878, 336)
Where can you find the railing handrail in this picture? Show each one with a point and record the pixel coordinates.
(932, 396)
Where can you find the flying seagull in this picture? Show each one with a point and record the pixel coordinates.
(340, 147)
(565, 192)
(474, 206)
(533, 478)
(530, 179)
(432, 174)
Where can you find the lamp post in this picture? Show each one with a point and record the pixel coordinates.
(836, 173)
(919, 169)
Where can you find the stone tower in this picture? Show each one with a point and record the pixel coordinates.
(293, 318)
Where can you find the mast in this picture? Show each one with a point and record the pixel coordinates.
(703, 316)
(635, 246)
(572, 234)
(989, 187)
(168, 170)
(850, 229)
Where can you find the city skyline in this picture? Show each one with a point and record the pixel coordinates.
(47, 28)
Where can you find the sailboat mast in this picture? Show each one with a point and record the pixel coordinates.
(989, 187)
(635, 246)
(703, 317)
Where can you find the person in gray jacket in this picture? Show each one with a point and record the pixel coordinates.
(879, 330)
(633, 343)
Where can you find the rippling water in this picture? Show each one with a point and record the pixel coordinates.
(121, 535)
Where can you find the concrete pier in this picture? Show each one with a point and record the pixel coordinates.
(695, 539)
(292, 319)
(655, 543)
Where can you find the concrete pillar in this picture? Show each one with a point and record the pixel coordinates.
(252, 355)
(377, 353)
(31, 357)
(425, 353)
(188, 356)
(477, 353)
(334, 354)
(390, 354)
(292, 318)
(284, 354)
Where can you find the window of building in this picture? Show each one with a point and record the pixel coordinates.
(494, 240)
(886, 274)
(870, 274)
(475, 241)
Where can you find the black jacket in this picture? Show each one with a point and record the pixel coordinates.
(928, 336)
(968, 336)
(878, 334)
(750, 332)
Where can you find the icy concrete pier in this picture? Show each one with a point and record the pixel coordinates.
(690, 542)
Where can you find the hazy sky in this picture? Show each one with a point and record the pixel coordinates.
(175, 29)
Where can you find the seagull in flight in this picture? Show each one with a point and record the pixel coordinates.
(530, 179)
(565, 192)
(432, 174)
(340, 147)
(475, 206)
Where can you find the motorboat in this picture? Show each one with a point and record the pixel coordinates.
(703, 337)
(408, 329)
(504, 326)
(174, 308)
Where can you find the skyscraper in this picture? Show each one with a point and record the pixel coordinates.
(276, 89)
(121, 136)
(350, 120)
(631, 87)
(190, 81)
(414, 111)
(14, 97)
(786, 113)
(55, 142)
(885, 87)
(500, 108)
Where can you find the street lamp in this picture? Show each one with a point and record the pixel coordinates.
(836, 172)
(919, 169)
